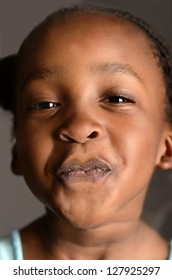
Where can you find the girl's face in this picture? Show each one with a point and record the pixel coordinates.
(90, 122)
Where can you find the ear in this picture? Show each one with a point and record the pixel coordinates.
(15, 166)
(165, 158)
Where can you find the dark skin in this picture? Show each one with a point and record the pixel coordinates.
(87, 91)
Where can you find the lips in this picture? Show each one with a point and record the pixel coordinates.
(92, 171)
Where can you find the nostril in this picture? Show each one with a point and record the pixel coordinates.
(66, 138)
(94, 134)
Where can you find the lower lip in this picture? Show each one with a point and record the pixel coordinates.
(92, 175)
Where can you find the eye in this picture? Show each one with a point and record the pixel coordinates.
(43, 105)
(118, 99)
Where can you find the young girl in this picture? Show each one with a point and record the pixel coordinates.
(91, 94)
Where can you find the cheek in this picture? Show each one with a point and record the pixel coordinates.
(136, 144)
(136, 138)
(34, 149)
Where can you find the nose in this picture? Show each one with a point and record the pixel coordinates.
(80, 129)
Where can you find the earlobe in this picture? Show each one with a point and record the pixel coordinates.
(15, 166)
(165, 160)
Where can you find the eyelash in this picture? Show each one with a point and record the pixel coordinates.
(118, 98)
(43, 105)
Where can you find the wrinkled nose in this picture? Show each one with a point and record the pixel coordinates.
(80, 129)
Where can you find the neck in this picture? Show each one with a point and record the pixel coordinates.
(50, 238)
(101, 242)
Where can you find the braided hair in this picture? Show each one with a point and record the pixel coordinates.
(8, 65)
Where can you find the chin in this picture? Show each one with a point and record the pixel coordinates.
(83, 221)
(83, 225)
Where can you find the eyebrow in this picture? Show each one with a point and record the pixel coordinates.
(102, 68)
(115, 68)
(43, 73)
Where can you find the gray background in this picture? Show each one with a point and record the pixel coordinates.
(17, 17)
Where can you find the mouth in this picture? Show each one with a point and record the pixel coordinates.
(74, 171)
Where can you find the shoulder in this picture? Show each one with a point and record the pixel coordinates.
(10, 247)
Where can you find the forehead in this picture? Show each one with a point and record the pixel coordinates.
(86, 27)
(91, 38)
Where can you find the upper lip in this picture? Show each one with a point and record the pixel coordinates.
(76, 165)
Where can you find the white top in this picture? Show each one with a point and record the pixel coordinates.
(11, 247)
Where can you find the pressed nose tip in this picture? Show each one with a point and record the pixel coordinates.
(77, 136)
(79, 130)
